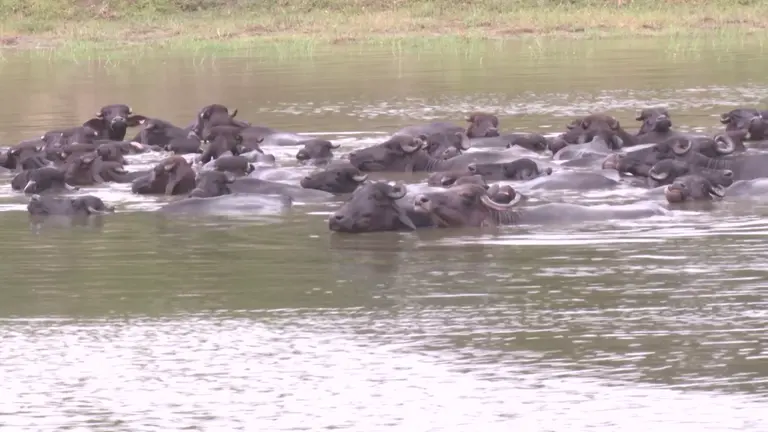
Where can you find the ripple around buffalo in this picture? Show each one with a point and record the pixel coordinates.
(478, 175)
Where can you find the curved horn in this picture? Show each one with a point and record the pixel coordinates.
(641, 116)
(130, 110)
(30, 185)
(334, 146)
(447, 181)
(359, 177)
(658, 176)
(681, 147)
(493, 189)
(234, 113)
(99, 114)
(412, 148)
(94, 211)
(465, 143)
(717, 190)
(398, 191)
(493, 205)
(725, 118)
(724, 145)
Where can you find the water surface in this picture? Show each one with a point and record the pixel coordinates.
(141, 323)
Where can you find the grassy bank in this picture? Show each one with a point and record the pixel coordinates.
(52, 23)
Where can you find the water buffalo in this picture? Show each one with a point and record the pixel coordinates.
(316, 151)
(584, 129)
(470, 206)
(655, 120)
(667, 171)
(156, 132)
(26, 155)
(249, 185)
(429, 129)
(374, 207)
(220, 141)
(692, 188)
(237, 165)
(172, 176)
(232, 204)
(336, 178)
(751, 121)
(573, 180)
(602, 143)
(89, 169)
(744, 166)
(482, 125)
(211, 116)
(443, 145)
(211, 184)
(534, 142)
(62, 137)
(404, 153)
(521, 169)
(448, 178)
(39, 180)
(64, 206)
(111, 121)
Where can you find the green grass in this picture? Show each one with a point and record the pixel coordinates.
(81, 25)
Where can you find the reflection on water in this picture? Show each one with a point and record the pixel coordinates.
(139, 322)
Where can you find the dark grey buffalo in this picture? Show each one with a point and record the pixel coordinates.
(521, 169)
(89, 169)
(165, 135)
(66, 206)
(482, 125)
(574, 180)
(470, 206)
(336, 178)
(237, 165)
(39, 180)
(534, 142)
(654, 120)
(753, 123)
(112, 121)
(211, 116)
(403, 153)
(374, 207)
(744, 166)
(316, 151)
(212, 184)
(693, 188)
(442, 145)
(172, 176)
(667, 171)
(427, 129)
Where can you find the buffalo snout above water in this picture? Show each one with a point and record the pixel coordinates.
(112, 121)
(64, 206)
(482, 125)
(337, 178)
(316, 151)
(654, 120)
(373, 207)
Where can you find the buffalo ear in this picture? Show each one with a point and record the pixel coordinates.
(95, 124)
(136, 120)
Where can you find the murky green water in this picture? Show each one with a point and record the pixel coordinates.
(140, 323)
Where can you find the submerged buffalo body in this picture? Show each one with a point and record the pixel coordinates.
(471, 206)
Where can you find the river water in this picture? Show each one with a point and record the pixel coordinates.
(141, 323)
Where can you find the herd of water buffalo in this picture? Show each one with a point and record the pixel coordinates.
(219, 161)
